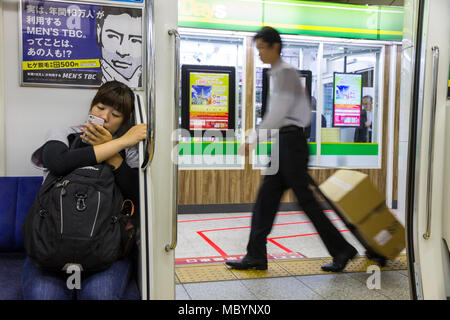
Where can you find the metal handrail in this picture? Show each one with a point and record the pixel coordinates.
(435, 68)
(172, 245)
(150, 85)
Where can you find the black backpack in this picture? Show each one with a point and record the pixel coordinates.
(80, 218)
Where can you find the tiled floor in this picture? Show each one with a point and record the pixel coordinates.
(209, 238)
(394, 285)
(223, 235)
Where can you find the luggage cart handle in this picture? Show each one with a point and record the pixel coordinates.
(435, 68)
(176, 95)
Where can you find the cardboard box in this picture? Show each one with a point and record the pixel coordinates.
(383, 232)
(364, 207)
(352, 193)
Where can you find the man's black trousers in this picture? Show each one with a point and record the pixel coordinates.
(292, 173)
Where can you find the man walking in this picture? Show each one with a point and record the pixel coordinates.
(289, 111)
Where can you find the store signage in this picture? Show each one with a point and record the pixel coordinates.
(74, 44)
(295, 17)
(347, 99)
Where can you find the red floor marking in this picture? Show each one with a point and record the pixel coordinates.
(279, 245)
(223, 254)
(294, 236)
(212, 244)
(236, 257)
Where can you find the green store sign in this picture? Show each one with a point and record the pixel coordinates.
(230, 148)
(294, 17)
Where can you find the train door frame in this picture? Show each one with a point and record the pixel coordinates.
(428, 255)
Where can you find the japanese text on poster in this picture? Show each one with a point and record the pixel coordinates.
(80, 44)
(347, 100)
(209, 94)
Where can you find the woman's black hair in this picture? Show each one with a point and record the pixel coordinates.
(269, 35)
(117, 95)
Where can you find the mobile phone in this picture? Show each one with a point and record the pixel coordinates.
(92, 118)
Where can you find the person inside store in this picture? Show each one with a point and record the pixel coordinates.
(114, 143)
(364, 132)
(289, 111)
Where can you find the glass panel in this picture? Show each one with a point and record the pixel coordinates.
(339, 146)
(220, 51)
(213, 152)
(351, 146)
(303, 56)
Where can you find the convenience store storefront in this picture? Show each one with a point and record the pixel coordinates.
(323, 38)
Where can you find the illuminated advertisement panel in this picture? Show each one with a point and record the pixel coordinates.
(208, 98)
(347, 96)
(208, 101)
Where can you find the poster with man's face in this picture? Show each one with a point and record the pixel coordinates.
(77, 44)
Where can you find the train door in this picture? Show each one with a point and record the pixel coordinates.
(425, 74)
(160, 182)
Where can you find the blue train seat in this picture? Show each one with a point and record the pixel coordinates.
(16, 197)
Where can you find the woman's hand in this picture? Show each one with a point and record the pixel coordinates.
(134, 135)
(108, 151)
(95, 134)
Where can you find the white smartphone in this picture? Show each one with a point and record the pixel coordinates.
(92, 118)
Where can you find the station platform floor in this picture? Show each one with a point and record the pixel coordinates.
(295, 253)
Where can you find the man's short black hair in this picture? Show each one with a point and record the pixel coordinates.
(368, 97)
(269, 35)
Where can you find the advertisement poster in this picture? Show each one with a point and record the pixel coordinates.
(68, 44)
(347, 100)
(209, 101)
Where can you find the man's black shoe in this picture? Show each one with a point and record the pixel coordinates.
(339, 263)
(246, 264)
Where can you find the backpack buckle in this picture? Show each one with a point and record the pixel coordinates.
(81, 204)
(43, 213)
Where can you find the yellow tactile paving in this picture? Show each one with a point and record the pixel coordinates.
(277, 268)
(202, 273)
(301, 267)
(400, 263)
(273, 271)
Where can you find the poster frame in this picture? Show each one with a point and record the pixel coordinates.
(139, 6)
(186, 70)
(334, 97)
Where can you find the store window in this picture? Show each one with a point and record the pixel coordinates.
(303, 56)
(332, 144)
(350, 145)
(217, 51)
(210, 151)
